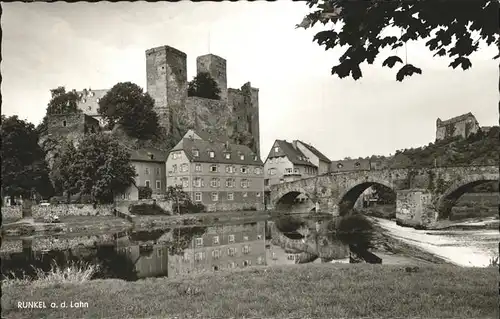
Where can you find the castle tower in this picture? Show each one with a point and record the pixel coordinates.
(254, 110)
(166, 70)
(217, 68)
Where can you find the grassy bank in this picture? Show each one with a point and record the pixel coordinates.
(299, 291)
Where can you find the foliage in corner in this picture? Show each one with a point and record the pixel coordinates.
(203, 85)
(24, 170)
(126, 104)
(451, 29)
(100, 167)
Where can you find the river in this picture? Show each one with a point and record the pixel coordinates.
(467, 248)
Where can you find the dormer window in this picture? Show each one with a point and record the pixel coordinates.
(339, 165)
(227, 155)
(211, 154)
(357, 164)
(242, 157)
(255, 158)
(196, 153)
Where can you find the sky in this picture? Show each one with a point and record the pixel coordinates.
(96, 45)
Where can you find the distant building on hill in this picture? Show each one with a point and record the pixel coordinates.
(88, 103)
(463, 125)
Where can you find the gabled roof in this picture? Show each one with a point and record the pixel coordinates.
(189, 145)
(294, 155)
(458, 118)
(315, 151)
(148, 154)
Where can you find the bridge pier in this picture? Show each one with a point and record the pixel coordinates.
(414, 208)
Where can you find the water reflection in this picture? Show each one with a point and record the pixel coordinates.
(182, 250)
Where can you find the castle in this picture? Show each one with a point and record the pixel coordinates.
(235, 115)
(463, 125)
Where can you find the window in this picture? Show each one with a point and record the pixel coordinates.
(98, 99)
(258, 170)
(230, 196)
(84, 100)
(231, 265)
(215, 196)
(244, 169)
(244, 183)
(247, 263)
(158, 184)
(159, 252)
(174, 168)
(245, 238)
(64, 123)
(357, 164)
(257, 194)
(146, 171)
(339, 165)
(231, 238)
(276, 149)
(215, 240)
(229, 169)
(174, 155)
(185, 182)
(282, 180)
(231, 251)
(227, 155)
(260, 260)
(89, 108)
(230, 182)
(199, 241)
(213, 168)
(288, 171)
(196, 153)
(214, 182)
(266, 182)
(296, 170)
(242, 157)
(259, 237)
(197, 197)
(198, 256)
(271, 160)
(158, 171)
(216, 253)
(146, 183)
(246, 249)
(245, 194)
(211, 154)
(197, 167)
(272, 171)
(197, 182)
(255, 158)
(184, 167)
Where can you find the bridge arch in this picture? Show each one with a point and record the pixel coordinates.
(287, 200)
(449, 198)
(352, 193)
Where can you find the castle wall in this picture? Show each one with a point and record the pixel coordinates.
(166, 70)
(89, 103)
(217, 68)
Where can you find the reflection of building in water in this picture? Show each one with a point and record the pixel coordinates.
(149, 259)
(221, 247)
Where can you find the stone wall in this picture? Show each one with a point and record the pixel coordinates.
(62, 210)
(415, 208)
(202, 114)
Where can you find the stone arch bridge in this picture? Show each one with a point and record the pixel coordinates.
(424, 195)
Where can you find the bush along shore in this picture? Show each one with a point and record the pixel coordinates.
(295, 291)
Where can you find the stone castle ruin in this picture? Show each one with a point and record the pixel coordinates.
(235, 115)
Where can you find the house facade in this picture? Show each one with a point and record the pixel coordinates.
(220, 175)
(223, 247)
(149, 164)
(314, 156)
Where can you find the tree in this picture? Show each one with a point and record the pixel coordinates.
(100, 167)
(354, 230)
(177, 196)
(24, 170)
(126, 104)
(145, 192)
(203, 85)
(454, 29)
(61, 102)
(384, 194)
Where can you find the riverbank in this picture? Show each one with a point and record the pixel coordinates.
(295, 291)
